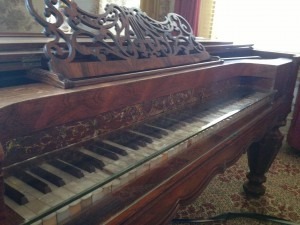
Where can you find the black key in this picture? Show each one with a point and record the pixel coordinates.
(136, 143)
(165, 123)
(75, 159)
(111, 148)
(125, 140)
(177, 122)
(50, 177)
(151, 131)
(208, 117)
(66, 168)
(102, 152)
(143, 138)
(132, 145)
(190, 119)
(15, 195)
(186, 117)
(90, 160)
(202, 114)
(32, 181)
(137, 139)
(80, 164)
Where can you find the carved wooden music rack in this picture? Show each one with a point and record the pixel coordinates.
(121, 40)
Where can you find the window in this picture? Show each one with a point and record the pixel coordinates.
(269, 24)
(14, 16)
(127, 3)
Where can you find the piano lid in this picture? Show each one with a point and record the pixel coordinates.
(120, 40)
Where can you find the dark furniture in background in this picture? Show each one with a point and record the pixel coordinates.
(294, 130)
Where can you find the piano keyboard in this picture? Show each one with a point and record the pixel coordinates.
(61, 186)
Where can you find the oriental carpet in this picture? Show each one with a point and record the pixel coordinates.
(225, 193)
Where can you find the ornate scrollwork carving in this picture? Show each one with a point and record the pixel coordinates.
(51, 29)
(119, 33)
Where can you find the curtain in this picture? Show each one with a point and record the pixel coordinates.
(156, 9)
(206, 18)
(190, 10)
(151, 7)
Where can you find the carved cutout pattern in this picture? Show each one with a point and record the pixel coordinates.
(118, 33)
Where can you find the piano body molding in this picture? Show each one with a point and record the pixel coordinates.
(131, 147)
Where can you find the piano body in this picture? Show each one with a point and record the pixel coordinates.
(80, 147)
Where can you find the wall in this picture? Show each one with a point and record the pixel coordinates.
(14, 17)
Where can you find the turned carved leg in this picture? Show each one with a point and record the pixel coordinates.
(260, 157)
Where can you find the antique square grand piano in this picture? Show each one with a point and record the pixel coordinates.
(126, 118)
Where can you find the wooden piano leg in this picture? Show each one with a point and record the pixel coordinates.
(261, 154)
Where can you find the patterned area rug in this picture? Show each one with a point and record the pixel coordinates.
(225, 194)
